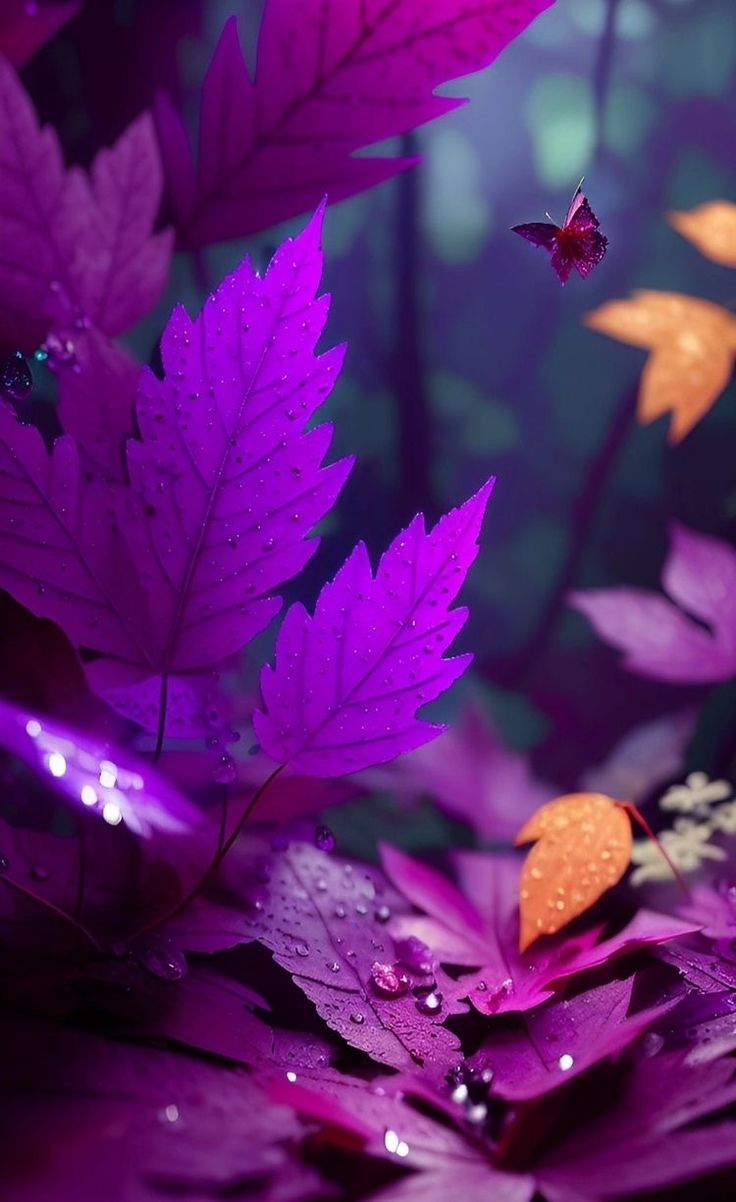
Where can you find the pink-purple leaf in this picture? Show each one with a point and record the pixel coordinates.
(178, 572)
(477, 926)
(332, 77)
(75, 247)
(347, 682)
(658, 638)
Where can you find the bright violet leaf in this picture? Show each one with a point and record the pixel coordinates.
(471, 775)
(562, 1039)
(76, 247)
(331, 78)
(225, 486)
(477, 926)
(324, 923)
(348, 681)
(658, 638)
(25, 27)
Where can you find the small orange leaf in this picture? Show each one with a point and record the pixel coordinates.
(582, 847)
(693, 344)
(711, 228)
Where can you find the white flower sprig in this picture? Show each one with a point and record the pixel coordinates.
(702, 814)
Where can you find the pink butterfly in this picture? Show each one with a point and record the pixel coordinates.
(576, 243)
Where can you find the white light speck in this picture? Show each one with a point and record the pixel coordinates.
(88, 796)
(565, 1062)
(394, 1145)
(291, 1077)
(112, 813)
(108, 774)
(56, 763)
(33, 728)
(172, 1113)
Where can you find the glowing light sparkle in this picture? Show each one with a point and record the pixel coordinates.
(56, 764)
(33, 728)
(112, 813)
(88, 795)
(565, 1062)
(108, 774)
(393, 1144)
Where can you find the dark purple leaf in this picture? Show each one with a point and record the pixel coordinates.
(331, 78)
(347, 682)
(26, 26)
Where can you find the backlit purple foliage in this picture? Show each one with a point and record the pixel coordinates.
(332, 76)
(659, 638)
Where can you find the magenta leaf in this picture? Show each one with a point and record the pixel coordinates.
(562, 1039)
(478, 927)
(76, 247)
(331, 78)
(347, 682)
(647, 756)
(25, 27)
(225, 485)
(658, 638)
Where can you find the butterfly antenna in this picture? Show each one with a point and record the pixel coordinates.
(580, 184)
(550, 217)
(641, 821)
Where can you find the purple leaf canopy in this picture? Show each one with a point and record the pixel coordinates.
(177, 572)
(347, 682)
(332, 76)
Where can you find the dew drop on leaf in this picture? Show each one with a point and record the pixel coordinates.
(162, 960)
(431, 1003)
(324, 838)
(225, 770)
(389, 979)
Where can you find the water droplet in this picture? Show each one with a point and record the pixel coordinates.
(291, 1077)
(16, 380)
(652, 1043)
(4, 864)
(169, 1114)
(301, 949)
(382, 914)
(225, 770)
(477, 1113)
(565, 1062)
(414, 954)
(161, 959)
(431, 1003)
(357, 1018)
(499, 995)
(334, 966)
(389, 979)
(324, 838)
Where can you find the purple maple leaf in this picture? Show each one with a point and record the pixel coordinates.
(478, 927)
(325, 923)
(647, 756)
(97, 390)
(562, 1039)
(25, 27)
(331, 77)
(658, 638)
(178, 572)
(347, 682)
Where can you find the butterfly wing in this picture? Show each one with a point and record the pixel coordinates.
(539, 233)
(581, 245)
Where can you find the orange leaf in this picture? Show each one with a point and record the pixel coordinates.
(582, 847)
(711, 228)
(693, 344)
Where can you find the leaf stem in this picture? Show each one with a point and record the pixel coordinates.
(641, 821)
(54, 909)
(222, 849)
(162, 705)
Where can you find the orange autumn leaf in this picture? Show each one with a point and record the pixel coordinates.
(711, 228)
(582, 847)
(692, 344)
